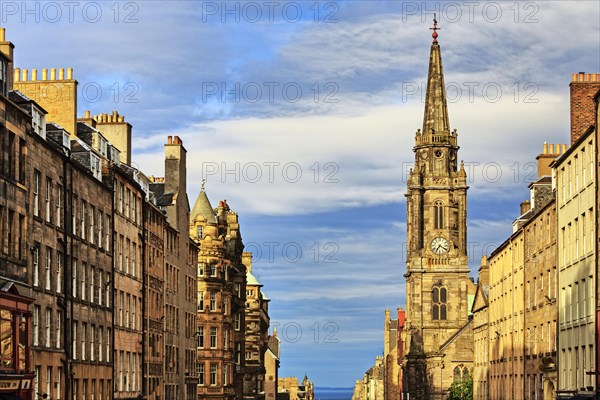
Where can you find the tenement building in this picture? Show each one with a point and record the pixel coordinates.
(371, 386)
(515, 306)
(69, 256)
(391, 373)
(577, 200)
(180, 255)
(272, 357)
(257, 333)
(104, 294)
(438, 348)
(17, 374)
(480, 310)
(127, 273)
(98, 272)
(221, 299)
(290, 389)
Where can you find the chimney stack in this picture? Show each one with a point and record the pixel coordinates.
(525, 206)
(7, 49)
(583, 88)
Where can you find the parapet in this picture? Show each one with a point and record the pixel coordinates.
(23, 75)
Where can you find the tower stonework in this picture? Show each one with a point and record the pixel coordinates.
(438, 349)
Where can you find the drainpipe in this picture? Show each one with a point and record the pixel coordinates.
(112, 277)
(68, 271)
(596, 250)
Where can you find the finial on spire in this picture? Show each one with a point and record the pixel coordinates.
(434, 35)
(203, 182)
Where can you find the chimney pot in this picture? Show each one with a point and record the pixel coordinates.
(170, 140)
(2, 35)
(87, 113)
(25, 75)
(69, 73)
(45, 74)
(525, 206)
(17, 73)
(52, 74)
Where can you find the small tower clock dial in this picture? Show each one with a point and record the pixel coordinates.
(439, 245)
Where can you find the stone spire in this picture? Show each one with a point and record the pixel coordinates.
(436, 108)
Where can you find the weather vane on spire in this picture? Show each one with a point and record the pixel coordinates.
(203, 183)
(434, 35)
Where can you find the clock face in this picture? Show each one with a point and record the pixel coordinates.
(440, 245)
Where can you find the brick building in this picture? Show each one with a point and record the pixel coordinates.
(583, 88)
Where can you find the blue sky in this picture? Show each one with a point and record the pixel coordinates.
(319, 179)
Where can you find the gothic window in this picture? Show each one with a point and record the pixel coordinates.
(438, 302)
(457, 374)
(438, 217)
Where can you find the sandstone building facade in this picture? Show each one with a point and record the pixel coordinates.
(516, 318)
(576, 203)
(86, 251)
(222, 296)
(390, 356)
(272, 356)
(257, 333)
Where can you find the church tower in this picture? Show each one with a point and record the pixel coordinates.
(438, 346)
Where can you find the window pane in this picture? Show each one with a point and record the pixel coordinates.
(443, 312)
(435, 312)
(6, 338)
(435, 295)
(443, 295)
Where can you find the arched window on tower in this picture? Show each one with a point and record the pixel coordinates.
(438, 303)
(438, 214)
